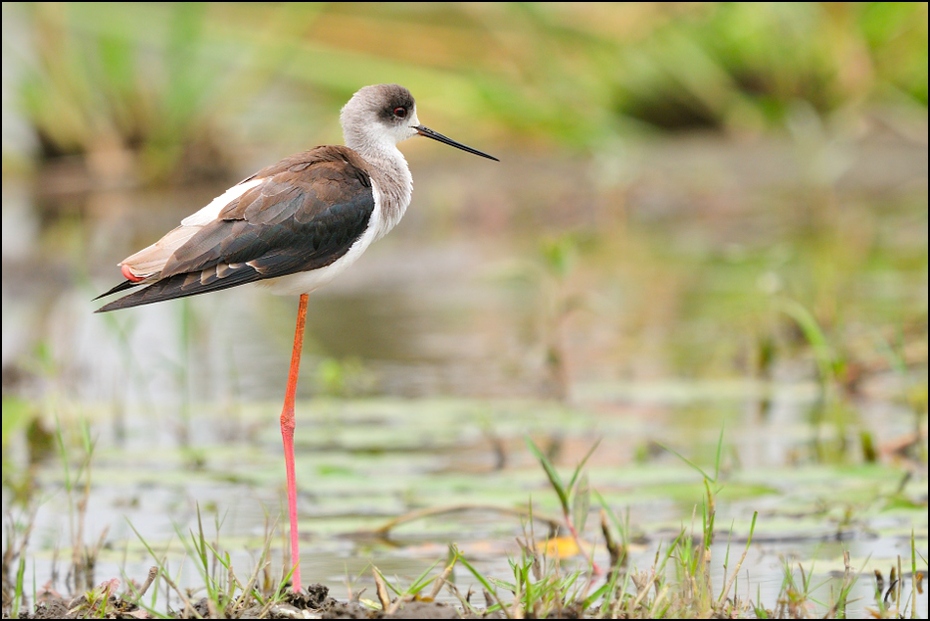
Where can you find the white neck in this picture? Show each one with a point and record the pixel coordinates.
(392, 181)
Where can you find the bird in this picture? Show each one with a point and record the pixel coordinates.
(292, 227)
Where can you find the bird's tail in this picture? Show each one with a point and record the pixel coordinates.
(126, 284)
(177, 286)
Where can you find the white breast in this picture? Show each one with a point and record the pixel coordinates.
(305, 282)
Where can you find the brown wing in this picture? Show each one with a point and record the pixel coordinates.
(306, 213)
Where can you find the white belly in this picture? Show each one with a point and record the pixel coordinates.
(305, 282)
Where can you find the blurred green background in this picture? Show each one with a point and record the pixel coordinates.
(687, 190)
(700, 159)
(718, 188)
(187, 85)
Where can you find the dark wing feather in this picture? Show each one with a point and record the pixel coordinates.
(126, 284)
(307, 214)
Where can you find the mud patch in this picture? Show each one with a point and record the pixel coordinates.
(314, 603)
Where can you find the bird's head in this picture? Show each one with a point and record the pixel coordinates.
(382, 115)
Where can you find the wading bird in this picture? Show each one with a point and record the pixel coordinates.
(292, 227)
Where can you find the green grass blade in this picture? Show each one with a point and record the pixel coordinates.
(571, 483)
(581, 504)
(554, 477)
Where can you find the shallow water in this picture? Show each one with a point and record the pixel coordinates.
(425, 369)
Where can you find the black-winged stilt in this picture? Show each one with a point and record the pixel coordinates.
(292, 226)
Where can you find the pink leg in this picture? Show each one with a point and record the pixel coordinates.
(287, 434)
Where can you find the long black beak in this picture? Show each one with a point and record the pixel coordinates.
(426, 131)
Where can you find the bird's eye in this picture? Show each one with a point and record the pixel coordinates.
(400, 112)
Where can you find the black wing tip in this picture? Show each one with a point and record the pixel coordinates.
(112, 306)
(127, 301)
(126, 284)
(133, 299)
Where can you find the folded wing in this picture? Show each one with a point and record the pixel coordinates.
(300, 214)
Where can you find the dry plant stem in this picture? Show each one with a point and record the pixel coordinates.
(661, 594)
(381, 589)
(267, 579)
(613, 548)
(463, 600)
(253, 579)
(287, 436)
(732, 578)
(400, 601)
(644, 591)
(441, 580)
(739, 565)
(81, 580)
(847, 576)
(187, 603)
(153, 573)
(232, 583)
(95, 551)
